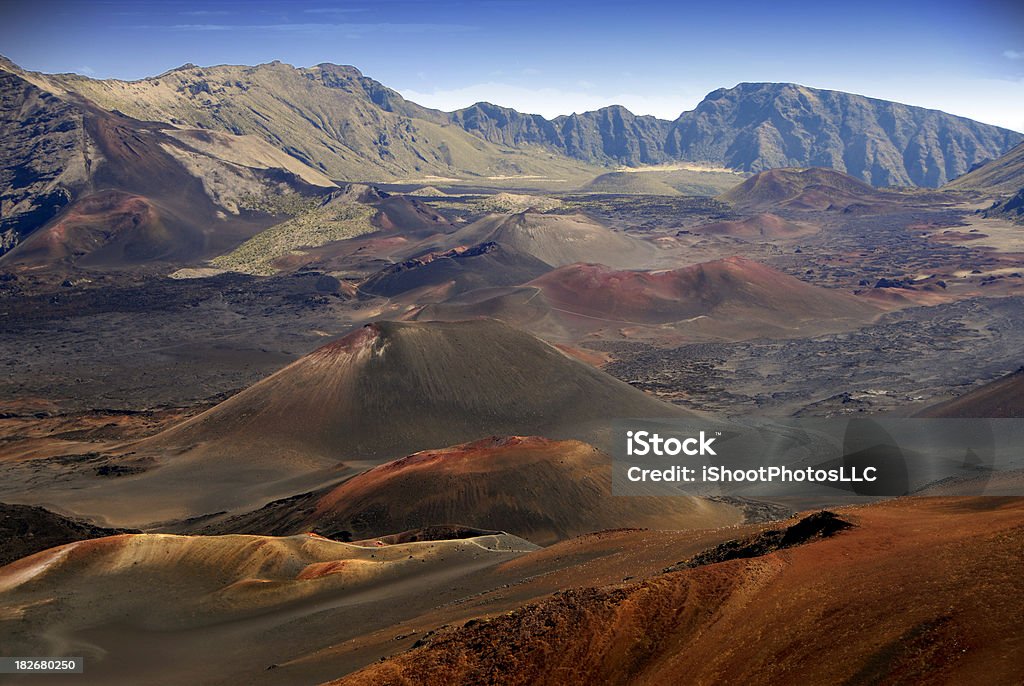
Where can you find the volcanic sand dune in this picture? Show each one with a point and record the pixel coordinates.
(408, 216)
(164, 609)
(25, 530)
(557, 239)
(732, 293)
(438, 276)
(629, 184)
(733, 298)
(524, 307)
(535, 488)
(764, 225)
(1002, 398)
(809, 189)
(162, 582)
(922, 590)
(384, 391)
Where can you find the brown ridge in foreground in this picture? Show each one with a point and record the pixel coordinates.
(896, 599)
(532, 487)
(1002, 398)
(162, 582)
(25, 529)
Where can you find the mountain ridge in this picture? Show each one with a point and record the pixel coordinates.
(180, 188)
(351, 127)
(1000, 176)
(892, 143)
(329, 117)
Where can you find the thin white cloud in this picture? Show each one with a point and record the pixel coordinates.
(334, 10)
(86, 69)
(1013, 54)
(349, 29)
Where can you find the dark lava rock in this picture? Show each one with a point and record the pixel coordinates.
(812, 527)
(25, 530)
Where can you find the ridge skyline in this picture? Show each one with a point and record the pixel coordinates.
(610, 106)
(651, 57)
(307, 112)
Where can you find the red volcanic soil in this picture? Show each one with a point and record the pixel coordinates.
(408, 215)
(456, 271)
(921, 590)
(732, 287)
(361, 255)
(556, 239)
(109, 226)
(811, 189)
(140, 204)
(384, 391)
(1003, 397)
(391, 388)
(765, 225)
(532, 487)
(594, 358)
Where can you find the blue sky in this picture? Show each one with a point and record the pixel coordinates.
(556, 57)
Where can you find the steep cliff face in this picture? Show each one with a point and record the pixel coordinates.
(1000, 176)
(615, 134)
(78, 182)
(758, 126)
(46, 157)
(333, 122)
(329, 117)
(506, 126)
(608, 135)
